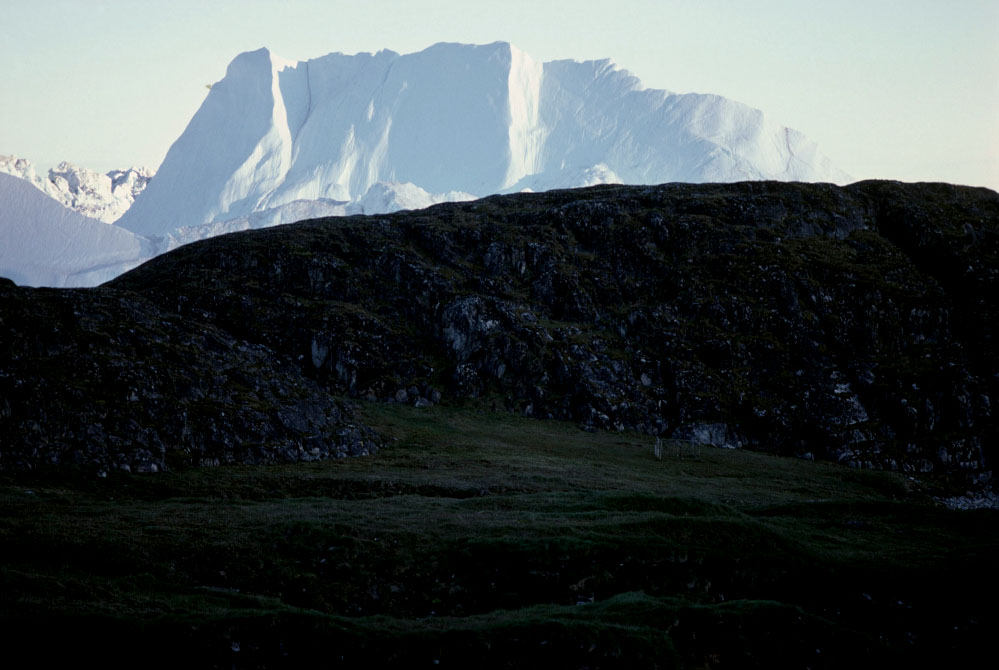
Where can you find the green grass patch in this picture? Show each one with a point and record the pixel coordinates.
(478, 537)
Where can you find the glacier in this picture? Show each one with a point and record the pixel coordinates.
(454, 121)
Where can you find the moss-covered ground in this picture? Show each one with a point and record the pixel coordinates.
(480, 539)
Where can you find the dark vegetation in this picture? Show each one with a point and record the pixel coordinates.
(477, 538)
(849, 324)
(854, 325)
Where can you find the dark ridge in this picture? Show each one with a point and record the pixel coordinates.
(851, 324)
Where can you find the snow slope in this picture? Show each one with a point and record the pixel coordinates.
(99, 196)
(46, 244)
(451, 118)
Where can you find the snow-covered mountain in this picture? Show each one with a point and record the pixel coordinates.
(98, 196)
(46, 244)
(451, 121)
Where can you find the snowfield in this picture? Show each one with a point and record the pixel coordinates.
(46, 244)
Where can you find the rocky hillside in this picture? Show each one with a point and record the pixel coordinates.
(853, 324)
(105, 380)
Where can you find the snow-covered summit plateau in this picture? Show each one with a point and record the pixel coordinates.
(450, 122)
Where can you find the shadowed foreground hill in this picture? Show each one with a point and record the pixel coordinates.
(854, 324)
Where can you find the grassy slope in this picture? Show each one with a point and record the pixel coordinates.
(482, 537)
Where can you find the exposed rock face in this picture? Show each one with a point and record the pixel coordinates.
(852, 324)
(105, 380)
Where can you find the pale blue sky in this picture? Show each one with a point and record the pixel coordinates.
(902, 89)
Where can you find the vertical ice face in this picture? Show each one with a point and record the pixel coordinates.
(233, 152)
(336, 123)
(526, 135)
(449, 118)
(587, 110)
(270, 158)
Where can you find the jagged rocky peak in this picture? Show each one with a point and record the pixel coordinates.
(131, 182)
(104, 197)
(453, 118)
(18, 167)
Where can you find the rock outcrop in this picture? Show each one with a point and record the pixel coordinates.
(105, 380)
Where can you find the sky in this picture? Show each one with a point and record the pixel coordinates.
(895, 89)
